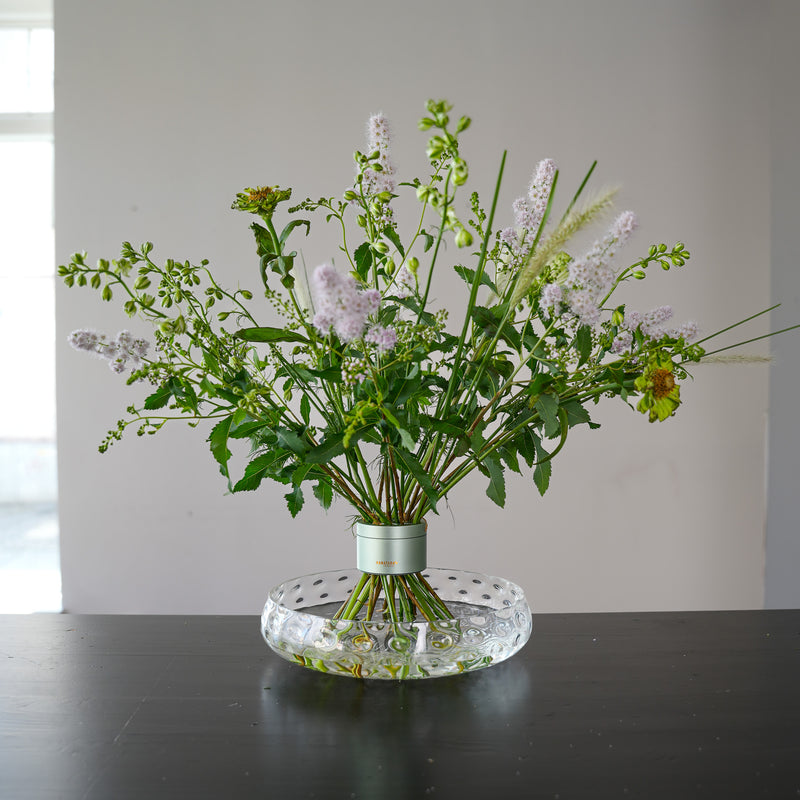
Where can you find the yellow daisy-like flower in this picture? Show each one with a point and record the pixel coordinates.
(661, 395)
(261, 200)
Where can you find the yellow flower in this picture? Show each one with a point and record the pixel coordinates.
(261, 200)
(661, 395)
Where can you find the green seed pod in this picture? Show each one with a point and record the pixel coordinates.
(107, 293)
(390, 266)
(381, 247)
(362, 221)
(639, 274)
(350, 195)
(413, 265)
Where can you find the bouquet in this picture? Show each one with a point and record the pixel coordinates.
(370, 392)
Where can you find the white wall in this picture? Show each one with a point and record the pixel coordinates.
(165, 110)
(783, 524)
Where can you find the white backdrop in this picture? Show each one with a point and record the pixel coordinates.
(165, 110)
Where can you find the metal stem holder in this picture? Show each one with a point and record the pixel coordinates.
(391, 549)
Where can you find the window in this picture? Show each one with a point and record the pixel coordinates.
(29, 565)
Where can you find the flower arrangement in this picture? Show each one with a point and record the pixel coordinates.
(365, 392)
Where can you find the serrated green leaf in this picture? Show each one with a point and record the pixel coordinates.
(468, 275)
(405, 436)
(290, 440)
(160, 396)
(363, 259)
(323, 491)
(391, 235)
(257, 470)
(329, 448)
(496, 490)
(269, 334)
(294, 501)
(541, 476)
(583, 343)
(218, 440)
(547, 406)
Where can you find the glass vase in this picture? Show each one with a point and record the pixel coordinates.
(492, 621)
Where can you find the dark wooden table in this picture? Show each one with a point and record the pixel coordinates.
(660, 705)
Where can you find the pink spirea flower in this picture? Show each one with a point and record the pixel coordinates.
(583, 305)
(340, 304)
(552, 296)
(529, 211)
(384, 338)
(379, 138)
(405, 282)
(118, 352)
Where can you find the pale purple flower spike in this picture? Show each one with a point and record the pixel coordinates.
(341, 305)
(126, 347)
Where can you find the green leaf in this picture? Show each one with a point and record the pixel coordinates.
(294, 500)
(577, 414)
(419, 474)
(218, 439)
(290, 440)
(329, 448)
(405, 436)
(305, 408)
(363, 259)
(160, 396)
(258, 469)
(496, 490)
(291, 226)
(323, 491)
(391, 235)
(541, 476)
(300, 473)
(468, 275)
(583, 343)
(547, 406)
(509, 456)
(269, 334)
(264, 243)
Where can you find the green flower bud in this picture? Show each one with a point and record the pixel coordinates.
(390, 266)
(381, 247)
(413, 265)
(350, 195)
(459, 172)
(463, 238)
(639, 274)
(362, 221)
(385, 197)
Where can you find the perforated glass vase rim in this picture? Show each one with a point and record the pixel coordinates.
(342, 577)
(479, 636)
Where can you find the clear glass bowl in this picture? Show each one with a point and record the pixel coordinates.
(492, 622)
